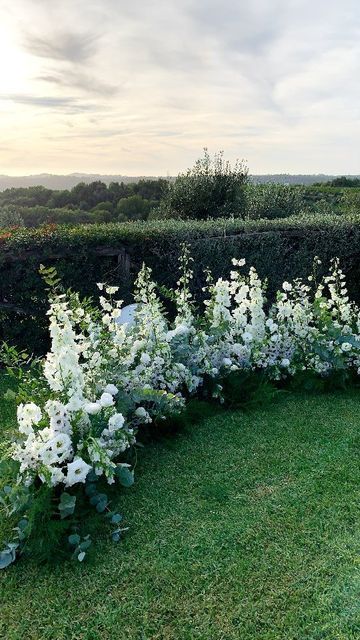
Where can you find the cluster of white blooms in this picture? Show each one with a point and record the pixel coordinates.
(309, 328)
(78, 427)
(100, 359)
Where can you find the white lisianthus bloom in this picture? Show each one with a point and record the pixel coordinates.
(110, 388)
(57, 476)
(92, 408)
(61, 445)
(116, 422)
(77, 471)
(27, 415)
(287, 286)
(106, 400)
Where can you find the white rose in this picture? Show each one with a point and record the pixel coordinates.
(110, 388)
(92, 408)
(116, 422)
(106, 400)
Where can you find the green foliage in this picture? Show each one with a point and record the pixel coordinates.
(247, 389)
(344, 181)
(272, 200)
(212, 188)
(351, 201)
(133, 208)
(10, 217)
(83, 204)
(279, 249)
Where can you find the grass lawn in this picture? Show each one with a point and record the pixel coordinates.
(245, 527)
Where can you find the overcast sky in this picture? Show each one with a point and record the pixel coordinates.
(140, 87)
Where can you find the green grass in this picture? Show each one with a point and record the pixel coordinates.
(244, 527)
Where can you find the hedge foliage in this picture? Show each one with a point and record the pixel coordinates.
(279, 249)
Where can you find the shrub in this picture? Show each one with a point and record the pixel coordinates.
(212, 188)
(272, 200)
(10, 217)
(351, 201)
(133, 208)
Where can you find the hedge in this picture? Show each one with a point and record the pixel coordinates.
(279, 249)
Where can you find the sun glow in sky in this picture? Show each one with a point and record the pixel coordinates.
(111, 86)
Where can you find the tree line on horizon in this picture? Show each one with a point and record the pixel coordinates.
(212, 188)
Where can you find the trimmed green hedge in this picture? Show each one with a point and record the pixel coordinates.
(83, 255)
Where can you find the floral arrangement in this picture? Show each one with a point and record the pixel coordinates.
(80, 409)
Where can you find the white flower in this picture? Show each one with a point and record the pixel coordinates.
(116, 422)
(110, 388)
(100, 285)
(106, 400)
(238, 263)
(61, 445)
(285, 362)
(27, 415)
(57, 476)
(346, 346)
(77, 471)
(287, 286)
(227, 362)
(111, 290)
(141, 412)
(92, 408)
(145, 358)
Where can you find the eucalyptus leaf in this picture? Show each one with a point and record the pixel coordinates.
(125, 476)
(6, 558)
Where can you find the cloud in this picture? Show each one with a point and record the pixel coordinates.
(272, 81)
(62, 45)
(68, 104)
(76, 79)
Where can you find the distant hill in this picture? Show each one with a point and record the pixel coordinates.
(59, 182)
(287, 178)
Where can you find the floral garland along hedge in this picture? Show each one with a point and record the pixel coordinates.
(80, 409)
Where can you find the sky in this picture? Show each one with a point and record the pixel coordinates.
(139, 87)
